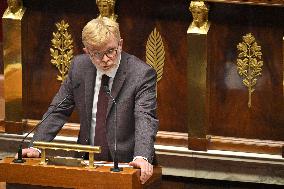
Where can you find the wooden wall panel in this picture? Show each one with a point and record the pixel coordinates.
(40, 84)
(229, 115)
(171, 18)
(169, 182)
(229, 112)
(137, 20)
(3, 5)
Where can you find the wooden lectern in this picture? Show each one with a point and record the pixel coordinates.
(32, 173)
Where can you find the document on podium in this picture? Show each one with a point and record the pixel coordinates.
(106, 163)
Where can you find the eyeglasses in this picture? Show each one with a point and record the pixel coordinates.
(110, 53)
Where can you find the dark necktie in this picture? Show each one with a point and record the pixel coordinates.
(100, 131)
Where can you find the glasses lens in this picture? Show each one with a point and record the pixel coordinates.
(111, 52)
(98, 55)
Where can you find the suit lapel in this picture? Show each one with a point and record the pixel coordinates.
(90, 80)
(118, 79)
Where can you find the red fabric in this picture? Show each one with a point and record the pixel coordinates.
(100, 133)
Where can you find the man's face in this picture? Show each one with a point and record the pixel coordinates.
(105, 57)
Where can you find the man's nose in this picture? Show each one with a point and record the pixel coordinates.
(105, 58)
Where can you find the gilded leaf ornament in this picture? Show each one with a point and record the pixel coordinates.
(62, 49)
(249, 63)
(155, 53)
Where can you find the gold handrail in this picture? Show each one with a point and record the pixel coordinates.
(67, 147)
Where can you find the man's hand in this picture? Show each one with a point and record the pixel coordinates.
(30, 153)
(146, 168)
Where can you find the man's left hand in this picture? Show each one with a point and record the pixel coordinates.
(146, 168)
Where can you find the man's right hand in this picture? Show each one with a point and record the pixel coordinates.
(30, 153)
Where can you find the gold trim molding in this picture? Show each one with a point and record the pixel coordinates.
(279, 3)
(155, 53)
(249, 63)
(62, 51)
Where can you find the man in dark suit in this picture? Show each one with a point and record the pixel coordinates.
(132, 84)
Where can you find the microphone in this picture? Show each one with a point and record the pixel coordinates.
(20, 153)
(115, 167)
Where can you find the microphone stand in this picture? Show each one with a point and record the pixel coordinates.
(20, 149)
(115, 167)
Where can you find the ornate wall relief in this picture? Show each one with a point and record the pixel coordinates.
(249, 63)
(62, 49)
(155, 53)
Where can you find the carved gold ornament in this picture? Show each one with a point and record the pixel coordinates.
(62, 51)
(249, 62)
(155, 53)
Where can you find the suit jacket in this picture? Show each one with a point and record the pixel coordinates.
(134, 89)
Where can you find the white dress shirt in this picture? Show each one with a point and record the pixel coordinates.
(111, 73)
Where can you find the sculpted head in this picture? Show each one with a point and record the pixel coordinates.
(106, 7)
(15, 5)
(199, 12)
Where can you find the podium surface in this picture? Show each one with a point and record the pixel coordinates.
(32, 173)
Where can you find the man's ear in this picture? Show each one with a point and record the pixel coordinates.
(85, 50)
(120, 44)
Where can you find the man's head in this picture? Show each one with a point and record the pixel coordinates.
(101, 38)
